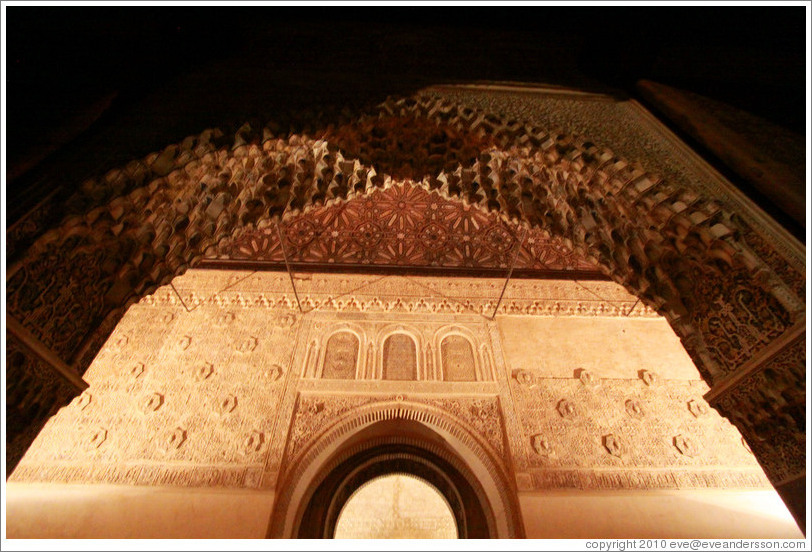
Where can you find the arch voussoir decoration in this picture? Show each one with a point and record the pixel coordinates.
(683, 253)
(327, 449)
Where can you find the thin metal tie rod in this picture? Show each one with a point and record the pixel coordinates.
(510, 273)
(287, 266)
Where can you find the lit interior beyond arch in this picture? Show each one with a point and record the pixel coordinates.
(396, 506)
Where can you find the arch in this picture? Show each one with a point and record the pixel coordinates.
(324, 506)
(478, 372)
(341, 356)
(566, 186)
(428, 431)
(458, 359)
(647, 234)
(399, 357)
(322, 359)
(689, 253)
(415, 342)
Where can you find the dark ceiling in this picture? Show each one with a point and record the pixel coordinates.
(75, 73)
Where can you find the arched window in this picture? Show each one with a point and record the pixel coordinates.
(458, 359)
(399, 358)
(341, 356)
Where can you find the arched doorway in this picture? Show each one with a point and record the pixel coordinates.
(730, 284)
(321, 517)
(391, 439)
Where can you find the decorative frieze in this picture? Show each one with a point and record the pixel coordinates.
(642, 479)
(393, 294)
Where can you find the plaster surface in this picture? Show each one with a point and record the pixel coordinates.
(609, 347)
(58, 511)
(693, 514)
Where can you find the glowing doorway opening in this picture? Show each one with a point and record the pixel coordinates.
(396, 506)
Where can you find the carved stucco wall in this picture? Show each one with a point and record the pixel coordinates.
(215, 382)
(594, 178)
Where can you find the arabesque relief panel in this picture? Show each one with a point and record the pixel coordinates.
(647, 432)
(177, 397)
(219, 380)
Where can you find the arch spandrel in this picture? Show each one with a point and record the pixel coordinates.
(137, 227)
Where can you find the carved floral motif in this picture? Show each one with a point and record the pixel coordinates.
(136, 369)
(248, 345)
(587, 378)
(175, 438)
(254, 441)
(649, 378)
(96, 439)
(525, 377)
(84, 400)
(634, 408)
(541, 445)
(565, 408)
(698, 407)
(686, 446)
(152, 402)
(614, 445)
(274, 373)
(203, 371)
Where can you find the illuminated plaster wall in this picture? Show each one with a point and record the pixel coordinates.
(208, 394)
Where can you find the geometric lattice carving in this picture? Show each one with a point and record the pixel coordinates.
(458, 359)
(372, 230)
(341, 357)
(399, 358)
